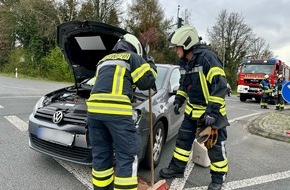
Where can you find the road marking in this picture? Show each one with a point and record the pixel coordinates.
(251, 181)
(5, 97)
(17, 122)
(1, 106)
(82, 173)
(179, 183)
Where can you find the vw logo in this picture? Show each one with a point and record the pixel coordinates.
(57, 117)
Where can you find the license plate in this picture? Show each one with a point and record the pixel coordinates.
(55, 136)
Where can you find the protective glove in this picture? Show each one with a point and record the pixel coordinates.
(207, 135)
(177, 105)
(209, 120)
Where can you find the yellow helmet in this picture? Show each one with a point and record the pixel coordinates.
(185, 36)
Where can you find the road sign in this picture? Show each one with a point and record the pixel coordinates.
(286, 92)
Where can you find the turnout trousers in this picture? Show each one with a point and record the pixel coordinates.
(217, 154)
(111, 136)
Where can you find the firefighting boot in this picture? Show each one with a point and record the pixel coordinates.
(215, 186)
(169, 173)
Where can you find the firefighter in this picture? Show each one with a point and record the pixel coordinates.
(266, 90)
(204, 85)
(110, 125)
(279, 101)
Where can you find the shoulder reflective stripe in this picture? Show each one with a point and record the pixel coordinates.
(121, 63)
(217, 100)
(139, 72)
(182, 93)
(124, 181)
(213, 72)
(204, 86)
(113, 56)
(153, 72)
(118, 80)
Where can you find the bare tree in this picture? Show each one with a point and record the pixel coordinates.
(230, 38)
(259, 49)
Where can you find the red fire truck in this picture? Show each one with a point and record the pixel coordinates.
(252, 72)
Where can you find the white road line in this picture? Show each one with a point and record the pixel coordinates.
(82, 173)
(5, 97)
(251, 181)
(178, 183)
(1, 106)
(17, 122)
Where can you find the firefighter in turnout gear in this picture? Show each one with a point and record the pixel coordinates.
(266, 90)
(203, 84)
(279, 101)
(110, 125)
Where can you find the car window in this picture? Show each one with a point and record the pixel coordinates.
(174, 78)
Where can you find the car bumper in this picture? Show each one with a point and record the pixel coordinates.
(73, 149)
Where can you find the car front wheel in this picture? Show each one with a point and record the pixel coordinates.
(158, 142)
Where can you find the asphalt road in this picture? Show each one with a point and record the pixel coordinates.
(254, 162)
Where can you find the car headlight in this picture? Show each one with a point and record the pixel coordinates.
(38, 104)
(136, 114)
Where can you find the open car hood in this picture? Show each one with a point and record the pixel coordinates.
(84, 43)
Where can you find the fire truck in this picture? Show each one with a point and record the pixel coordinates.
(252, 72)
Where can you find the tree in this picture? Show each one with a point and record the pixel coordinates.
(232, 39)
(146, 21)
(259, 49)
(108, 11)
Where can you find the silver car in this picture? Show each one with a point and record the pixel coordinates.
(57, 124)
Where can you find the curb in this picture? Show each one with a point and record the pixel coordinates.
(271, 125)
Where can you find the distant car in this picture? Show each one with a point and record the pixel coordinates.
(57, 124)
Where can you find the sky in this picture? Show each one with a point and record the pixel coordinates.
(269, 19)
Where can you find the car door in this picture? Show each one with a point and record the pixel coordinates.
(175, 120)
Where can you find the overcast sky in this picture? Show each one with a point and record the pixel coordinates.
(269, 19)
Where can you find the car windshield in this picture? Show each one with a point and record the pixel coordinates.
(257, 68)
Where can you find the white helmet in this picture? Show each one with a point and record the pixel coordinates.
(185, 36)
(266, 76)
(135, 45)
(280, 76)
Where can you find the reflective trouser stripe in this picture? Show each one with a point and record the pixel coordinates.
(102, 178)
(126, 183)
(181, 154)
(221, 166)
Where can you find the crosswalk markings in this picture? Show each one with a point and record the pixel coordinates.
(17, 122)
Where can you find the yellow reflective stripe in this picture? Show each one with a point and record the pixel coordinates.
(109, 108)
(182, 93)
(197, 113)
(103, 173)
(180, 157)
(221, 166)
(109, 97)
(223, 110)
(97, 175)
(126, 188)
(213, 72)
(139, 72)
(103, 183)
(216, 99)
(125, 181)
(182, 151)
(153, 72)
(123, 56)
(118, 80)
(204, 86)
